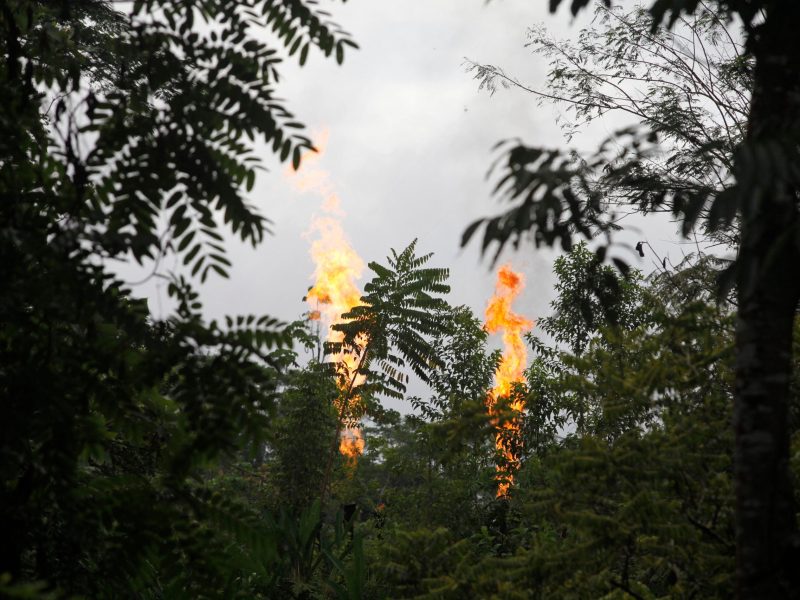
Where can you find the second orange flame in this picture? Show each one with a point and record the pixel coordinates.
(500, 317)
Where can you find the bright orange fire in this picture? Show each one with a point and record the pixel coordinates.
(334, 293)
(351, 445)
(500, 317)
(337, 268)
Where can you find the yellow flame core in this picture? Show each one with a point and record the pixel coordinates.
(337, 269)
(351, 445)
(500, 317)
(335, 292)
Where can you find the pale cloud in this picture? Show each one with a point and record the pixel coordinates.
(409, 145)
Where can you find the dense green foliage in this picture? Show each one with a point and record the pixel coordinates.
(734, 178)
(626, 480)
(625, 488)
(130, 136)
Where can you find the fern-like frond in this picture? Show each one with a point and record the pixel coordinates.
(396, 319)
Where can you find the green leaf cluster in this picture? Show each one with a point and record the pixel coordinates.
(128, 134)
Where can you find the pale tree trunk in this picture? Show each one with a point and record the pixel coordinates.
(768, 557)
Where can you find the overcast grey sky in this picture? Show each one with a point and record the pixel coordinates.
(410, 139)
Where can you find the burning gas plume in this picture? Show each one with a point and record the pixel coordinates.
(337, 268)
(351, 445)
(500, 317)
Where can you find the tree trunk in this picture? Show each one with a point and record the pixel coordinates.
(768, 557)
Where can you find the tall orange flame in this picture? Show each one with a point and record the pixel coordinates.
(337, 268)
(500, 317)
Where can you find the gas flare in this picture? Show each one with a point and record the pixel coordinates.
(500, 317)
(351, 445)
(337, 268)
(335, 291)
